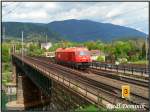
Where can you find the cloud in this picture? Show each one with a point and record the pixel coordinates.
(32, 15)
(140, 29)
(119, 21)
(113, 13)
(121, 13)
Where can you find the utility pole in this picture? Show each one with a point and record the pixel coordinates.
(3, 34)
(146, 47)
(22, 45)
(46, 38)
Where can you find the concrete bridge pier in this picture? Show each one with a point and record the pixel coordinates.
(11, 87)
(28, 95)
(13, 73)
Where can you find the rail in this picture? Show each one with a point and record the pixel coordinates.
(73, 85)
(91, 92)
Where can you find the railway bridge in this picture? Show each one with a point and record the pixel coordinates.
(40, 81)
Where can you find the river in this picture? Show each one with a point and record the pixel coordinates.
(5, 99)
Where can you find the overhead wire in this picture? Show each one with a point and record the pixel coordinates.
(10, 11)
(128, 11)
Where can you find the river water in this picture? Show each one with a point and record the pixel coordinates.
(52, 106)
(5, 99)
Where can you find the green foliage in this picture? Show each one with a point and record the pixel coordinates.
(6, 72)
(143, 51)
(134, 58)
(92, 108)
(132, 50)
(32, 31)
(64, 44)
(6, 77)
(91, 45)
(35, 50)
(6, 52)
(89, 108)
(121, 49)
(55, 46)
(140, 62)
(122, 60)
(6, 67)
(101, 58)
(119, 110)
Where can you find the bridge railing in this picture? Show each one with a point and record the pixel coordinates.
(123, 68)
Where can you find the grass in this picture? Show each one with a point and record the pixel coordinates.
(140, 62)
(92, 108)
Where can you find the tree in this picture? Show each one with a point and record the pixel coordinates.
(6, 52)
(143, 52)
(35, 50)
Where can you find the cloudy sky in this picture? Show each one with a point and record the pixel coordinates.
(131, 14)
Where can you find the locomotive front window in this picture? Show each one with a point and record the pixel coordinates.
(83, 53)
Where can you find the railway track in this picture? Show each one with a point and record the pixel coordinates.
(134, 76)
(135, 71)
(81, 78)
(77, 75)
(143, 83)
(67, 72)
(137, 67)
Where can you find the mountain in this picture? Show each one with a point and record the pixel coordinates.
(74, 30)
(14, 29)
(84, 30)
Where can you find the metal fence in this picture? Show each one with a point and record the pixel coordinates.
(123, 68)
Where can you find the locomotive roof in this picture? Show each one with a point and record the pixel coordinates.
(71, 49)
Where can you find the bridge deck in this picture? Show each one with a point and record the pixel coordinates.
(90, 92)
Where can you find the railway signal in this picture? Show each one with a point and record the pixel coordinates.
(126, 91)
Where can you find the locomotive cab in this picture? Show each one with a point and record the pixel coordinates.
(83, 59)
(78, 57)
(83, 56)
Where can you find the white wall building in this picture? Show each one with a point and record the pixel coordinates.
(96, 53)
(46, 45)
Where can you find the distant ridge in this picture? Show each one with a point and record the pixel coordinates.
(74, 30)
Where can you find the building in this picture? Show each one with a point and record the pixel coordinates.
(11, 88)
(46, 45)
(97, 53)
(49, 54)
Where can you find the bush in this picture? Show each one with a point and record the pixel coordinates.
(101, 58)
(134, 58)
(123, 60)
(6, 78)
(5, 54)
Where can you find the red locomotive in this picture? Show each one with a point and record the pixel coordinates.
(78, 57)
